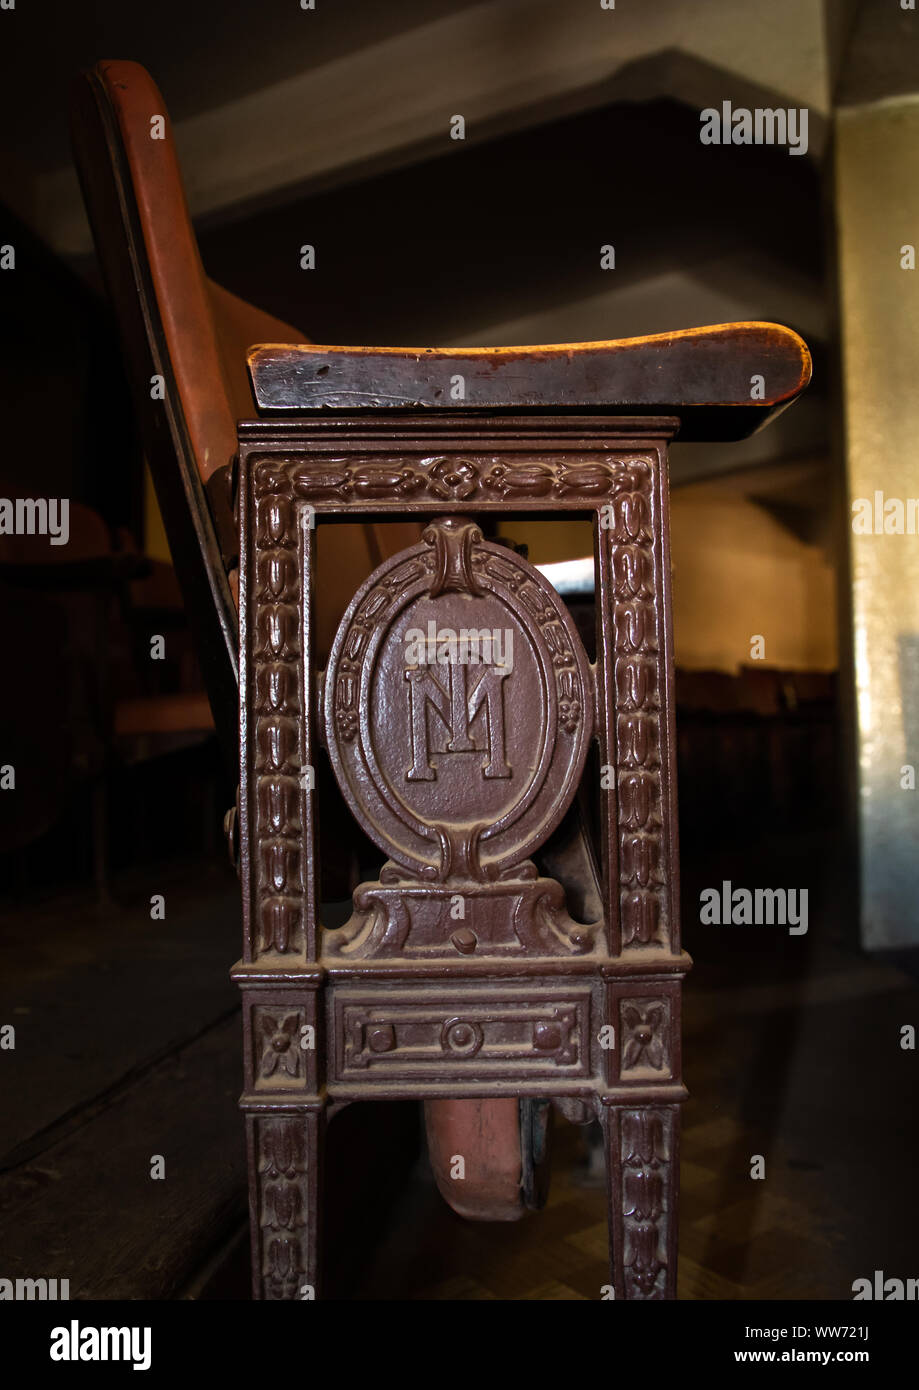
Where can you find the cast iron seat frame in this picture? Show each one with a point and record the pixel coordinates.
(399, 1004)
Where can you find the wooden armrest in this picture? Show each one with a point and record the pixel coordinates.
(721, 382)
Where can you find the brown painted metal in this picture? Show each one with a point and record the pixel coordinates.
(462, 975)
(468, 819)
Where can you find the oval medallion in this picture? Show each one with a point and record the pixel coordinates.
(458, 706)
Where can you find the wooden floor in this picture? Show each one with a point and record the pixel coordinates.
(128, 1046)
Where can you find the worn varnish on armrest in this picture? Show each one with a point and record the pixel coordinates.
(721, 382)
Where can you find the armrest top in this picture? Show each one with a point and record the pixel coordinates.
(722, 382)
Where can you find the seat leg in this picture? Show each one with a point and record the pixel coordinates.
(642, 1176)
(285, 1189)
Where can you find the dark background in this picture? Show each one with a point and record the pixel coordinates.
(127, 1030)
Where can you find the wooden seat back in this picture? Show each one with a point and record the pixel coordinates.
(185, 340)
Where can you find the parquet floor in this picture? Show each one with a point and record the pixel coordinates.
(758, 1246)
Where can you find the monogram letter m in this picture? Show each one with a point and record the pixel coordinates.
(456, 708)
